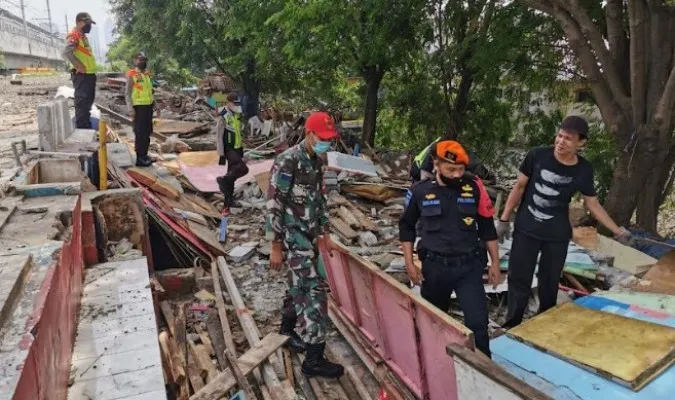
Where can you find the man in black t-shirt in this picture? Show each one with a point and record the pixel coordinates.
(549, 177)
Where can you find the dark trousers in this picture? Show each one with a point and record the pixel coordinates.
(522, 262)
(142, 129)
(464, 276)
(85, 90)
(236, 168)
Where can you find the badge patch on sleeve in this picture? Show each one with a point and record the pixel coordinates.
(468, 220)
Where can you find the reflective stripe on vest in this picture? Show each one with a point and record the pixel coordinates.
(233, 121)
(83, 53)
(141, 93)
(419, 159)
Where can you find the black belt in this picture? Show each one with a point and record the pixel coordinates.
(448, 258)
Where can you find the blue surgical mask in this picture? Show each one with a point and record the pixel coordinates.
(321, 147)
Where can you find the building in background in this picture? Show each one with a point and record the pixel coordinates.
(95, 43)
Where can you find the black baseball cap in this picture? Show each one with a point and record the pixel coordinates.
(84, 17)
(576, 124)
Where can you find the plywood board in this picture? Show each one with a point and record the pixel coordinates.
(627, 351)
(660, 278)
(166, 127)
(203, 177)
(625, 258)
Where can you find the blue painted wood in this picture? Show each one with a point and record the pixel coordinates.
(560, 379)
(582, 383)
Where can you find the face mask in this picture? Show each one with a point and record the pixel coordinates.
(321, 147)
(451, 182)
(86, 28)
(236, 109)
(142, 65)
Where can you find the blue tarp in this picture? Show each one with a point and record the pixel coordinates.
(652, 249)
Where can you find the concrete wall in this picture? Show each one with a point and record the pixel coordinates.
(22, 51)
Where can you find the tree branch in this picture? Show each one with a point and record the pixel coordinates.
(663, 116)
(597, 43)
(616, 34)
(638, 66)
(589, 64)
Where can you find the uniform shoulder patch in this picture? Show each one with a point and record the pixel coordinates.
(467, 188)
(430, 196)
(465, 194)
(468, 220)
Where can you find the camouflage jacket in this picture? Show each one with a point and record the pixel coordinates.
(296, 199)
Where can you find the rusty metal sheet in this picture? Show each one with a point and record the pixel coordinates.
(627, 351)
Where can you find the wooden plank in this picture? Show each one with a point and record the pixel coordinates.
(217, 340)
(239, 376)
(303, 382)
(343, 229)
(247, 362)
(630, 351)
(350, 381)
(203, 361)
(481, 379)
(366, 223)
(660, 278)
(250, 330)
(194, 373)
(206, 340)
(625, 258)
(222, 314)
(288, 364)
(349, 218)
(177, 350)
(171, 354)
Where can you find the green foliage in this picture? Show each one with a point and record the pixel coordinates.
(602, 152)
(2, 60)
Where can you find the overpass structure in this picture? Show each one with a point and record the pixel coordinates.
(24, 44)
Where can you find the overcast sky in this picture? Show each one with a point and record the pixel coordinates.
(36, 10)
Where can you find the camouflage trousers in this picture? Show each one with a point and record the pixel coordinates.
(306, 298)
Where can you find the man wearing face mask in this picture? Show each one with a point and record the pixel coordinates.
(230, 149)
(297, 218)
(455, 213)
(140, 101)
(83, 73)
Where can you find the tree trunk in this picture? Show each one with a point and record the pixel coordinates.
(373, 77)
(251, 87)
(632, 176)
(655, 191)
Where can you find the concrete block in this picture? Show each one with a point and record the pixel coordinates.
(45, 127)
(243, 252)
(81, 136)
(119, 154)
(59, 125)
(65, 115)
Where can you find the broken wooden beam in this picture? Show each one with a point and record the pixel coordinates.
(222, 314)
(250, 330)
(206, 340)
(194, 373)
(303, 382)
(217, 340)
(250, 360)
(349, 218)
(343, 228)
(201, 355)
(239, 376)
(366, 223)
(171, 354)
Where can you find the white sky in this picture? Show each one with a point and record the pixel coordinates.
(36, 10)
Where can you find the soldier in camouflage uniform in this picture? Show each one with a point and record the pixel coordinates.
(297, 217)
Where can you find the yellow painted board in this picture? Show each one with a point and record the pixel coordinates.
(625, 350)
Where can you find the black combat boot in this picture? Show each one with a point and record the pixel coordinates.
(226, 186)
(316, 365)
(288, 329)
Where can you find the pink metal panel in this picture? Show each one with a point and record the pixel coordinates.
(399, 330)
(337, 265)
(408, 332)
(362, 281)
(435, 334)
(204, 177)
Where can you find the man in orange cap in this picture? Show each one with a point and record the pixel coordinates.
(455, 213)
(297, 217)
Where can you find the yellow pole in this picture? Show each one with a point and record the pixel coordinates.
(102, 155)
